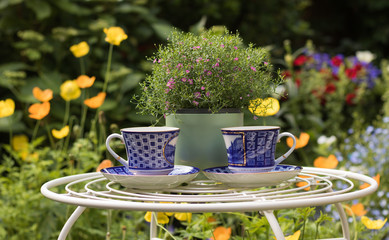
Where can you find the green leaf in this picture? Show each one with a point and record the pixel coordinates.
(131, 81)
(41, 8)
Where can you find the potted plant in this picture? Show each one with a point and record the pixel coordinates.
(201, 83)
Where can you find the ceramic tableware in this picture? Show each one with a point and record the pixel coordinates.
(180, 174)
(274, 177)
(150, 150)
(252, 148)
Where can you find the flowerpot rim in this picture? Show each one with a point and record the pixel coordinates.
(207, 111)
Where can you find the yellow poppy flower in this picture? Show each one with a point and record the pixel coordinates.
(7, 107)
(42, 95)
(295, 236)
(115, 35)
(162, 218)
(183, 217)
(63, 132)
(302, 141)
(20, 142)
(79, 50)
(264, 107)
(83, 81)
(39, 110)
(323, 162)
(221, 233)
(104, 164)
(69, 90)
(357, 209)
(96, 101)
(373, 224)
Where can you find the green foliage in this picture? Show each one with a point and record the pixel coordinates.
(213, 70)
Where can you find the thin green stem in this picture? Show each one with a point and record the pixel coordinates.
(35, 130)
(82, 66)
(107, 73)
(160, 226)
(10, 130)
(67, 111)
(52, 144)
(84, 110)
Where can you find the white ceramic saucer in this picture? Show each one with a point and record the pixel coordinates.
(252, 180)
(180, 174)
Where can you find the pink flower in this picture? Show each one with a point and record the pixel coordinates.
(187, 71)
(222, 45)
(202, 88)
(207, 94)
(190, 81)
(183, 79)
(236, 59)
(197, 94)
(253, 68)
(196, 103)
(209, 73)
(235, 47)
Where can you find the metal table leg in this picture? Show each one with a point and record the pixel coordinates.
(275, 226)
(69, 223)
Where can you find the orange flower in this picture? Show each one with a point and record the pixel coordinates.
(221, 233)
(303, 183)
(96, 101)
(39, 110)
(302, 141)
(366, 185)
(43, 96)
(357, 209)
(83, 81)
(104, 164)
(322, 162)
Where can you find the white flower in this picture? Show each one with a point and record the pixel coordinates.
(326, 140)
(365, 56)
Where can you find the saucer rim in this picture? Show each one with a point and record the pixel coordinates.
(153, 175)
(297, 168)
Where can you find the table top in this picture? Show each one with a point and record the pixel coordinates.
(322, 187)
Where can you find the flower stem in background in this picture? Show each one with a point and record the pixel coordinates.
(67, 111)
(35, 130)
(84, 109)
(10, 130)
(107, 74)
(82, 66)
(50, 137)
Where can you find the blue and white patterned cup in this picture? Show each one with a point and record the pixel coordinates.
(252, 148)
(150, 150)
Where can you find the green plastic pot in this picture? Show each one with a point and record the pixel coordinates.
(200, 142)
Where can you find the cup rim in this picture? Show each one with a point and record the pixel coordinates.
(250, 128)
(149, 129)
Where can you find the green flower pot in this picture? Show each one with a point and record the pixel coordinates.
(200, 143)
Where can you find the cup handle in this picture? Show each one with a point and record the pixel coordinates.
(117, 157)
(284, 156)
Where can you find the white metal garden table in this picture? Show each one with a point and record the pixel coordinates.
(326, 186)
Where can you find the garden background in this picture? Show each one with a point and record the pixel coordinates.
(336, 96)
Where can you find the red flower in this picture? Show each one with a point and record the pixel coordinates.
(298, 82)
(336, 61)
(352, 72)
(350, 98)
(330, 88)
(286, 74)
(300, 60)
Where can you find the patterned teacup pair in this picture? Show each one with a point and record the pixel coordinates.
(151, 150)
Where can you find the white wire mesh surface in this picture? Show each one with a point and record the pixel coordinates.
(322, 186)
